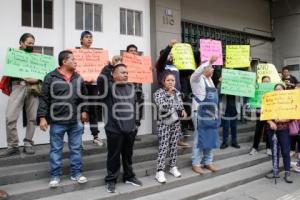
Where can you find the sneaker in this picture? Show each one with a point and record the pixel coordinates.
(253, 152)
(296, 168)
(182, 144)
(287, 177)
(10, 152)
(28, 150)
(269, 152)
(98, 141)
(134, 181)
(79, 178)
(111, 187)
(292, 153)
(160, 177)
(174, 171)
(54, 182)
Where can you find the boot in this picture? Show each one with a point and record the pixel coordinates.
(287, 177)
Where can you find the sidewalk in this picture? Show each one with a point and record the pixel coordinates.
(262, 189)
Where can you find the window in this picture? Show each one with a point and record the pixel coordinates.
(88, 16)
(130, 22)
(44, 50)
(37, 13)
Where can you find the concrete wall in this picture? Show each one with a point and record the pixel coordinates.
(286, 22)
(63, 36)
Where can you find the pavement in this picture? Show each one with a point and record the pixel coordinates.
(262, 189)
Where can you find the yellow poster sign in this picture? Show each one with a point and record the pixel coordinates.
(237, 56)
(183, 56)
(267, 69)
(281, 105)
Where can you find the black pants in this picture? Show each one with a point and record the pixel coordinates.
(295, 140)
(260, 131)
(119, 144)
(94, 110)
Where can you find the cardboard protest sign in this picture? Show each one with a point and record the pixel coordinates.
(237, 56)
(90, 62)
(183, 56)
(209, 48)
(238, 83)
(260, 90)
(267, 69)
(281, 105)
(21, 64)
(139, 68)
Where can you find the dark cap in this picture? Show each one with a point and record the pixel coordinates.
(84, 33)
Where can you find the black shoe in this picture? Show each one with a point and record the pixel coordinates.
(224, 146)
(235, 145)
(134, 181)
(10, 152)
(287, 177)
(111, 187)
(28, 150)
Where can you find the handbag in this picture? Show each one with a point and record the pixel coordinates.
(294, 127)
(171, 118)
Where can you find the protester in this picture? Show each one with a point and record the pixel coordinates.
(294, 135)
(260, 128)
(170, 108)
(206, 135)
(60, 102)
(278, 136)
(23, 94)
(120, 127)
(229, 120)
(165, 65)
(86, 40)
(288, 79)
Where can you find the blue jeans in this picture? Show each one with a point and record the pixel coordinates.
(57, 132)
(232, 125)
(196, 154)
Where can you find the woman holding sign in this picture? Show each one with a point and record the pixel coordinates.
(278, 136)
(23, 93)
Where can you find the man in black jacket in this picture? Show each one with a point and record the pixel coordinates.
(120, 127)
(62, 105)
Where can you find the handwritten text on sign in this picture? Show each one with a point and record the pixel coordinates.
(20, 64)
(267, 69)
(237, 56)
(183, 56)
(90, 62)
(281, 105)
(139, 68)
(261, 89)
(210, 48)
(238, 83)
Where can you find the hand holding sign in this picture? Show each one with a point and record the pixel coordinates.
(237, 56)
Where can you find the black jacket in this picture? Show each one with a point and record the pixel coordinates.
(62, 102)
(121, 112)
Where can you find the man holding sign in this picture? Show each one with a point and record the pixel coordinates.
(24, 92)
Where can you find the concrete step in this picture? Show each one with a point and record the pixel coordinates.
(26, 172)
(150, 186)
(39, 187)
(214, 185)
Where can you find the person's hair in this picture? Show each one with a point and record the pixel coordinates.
(115, 59)
(117, 66)
(131, 46)
(284, 68)
(280, 85)
(84, 33)
(63, 55)
(165, 76)
(265, 77)
(24, 37)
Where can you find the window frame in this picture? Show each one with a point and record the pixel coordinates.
(134, 21)
(42, 18)
(93, 16)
